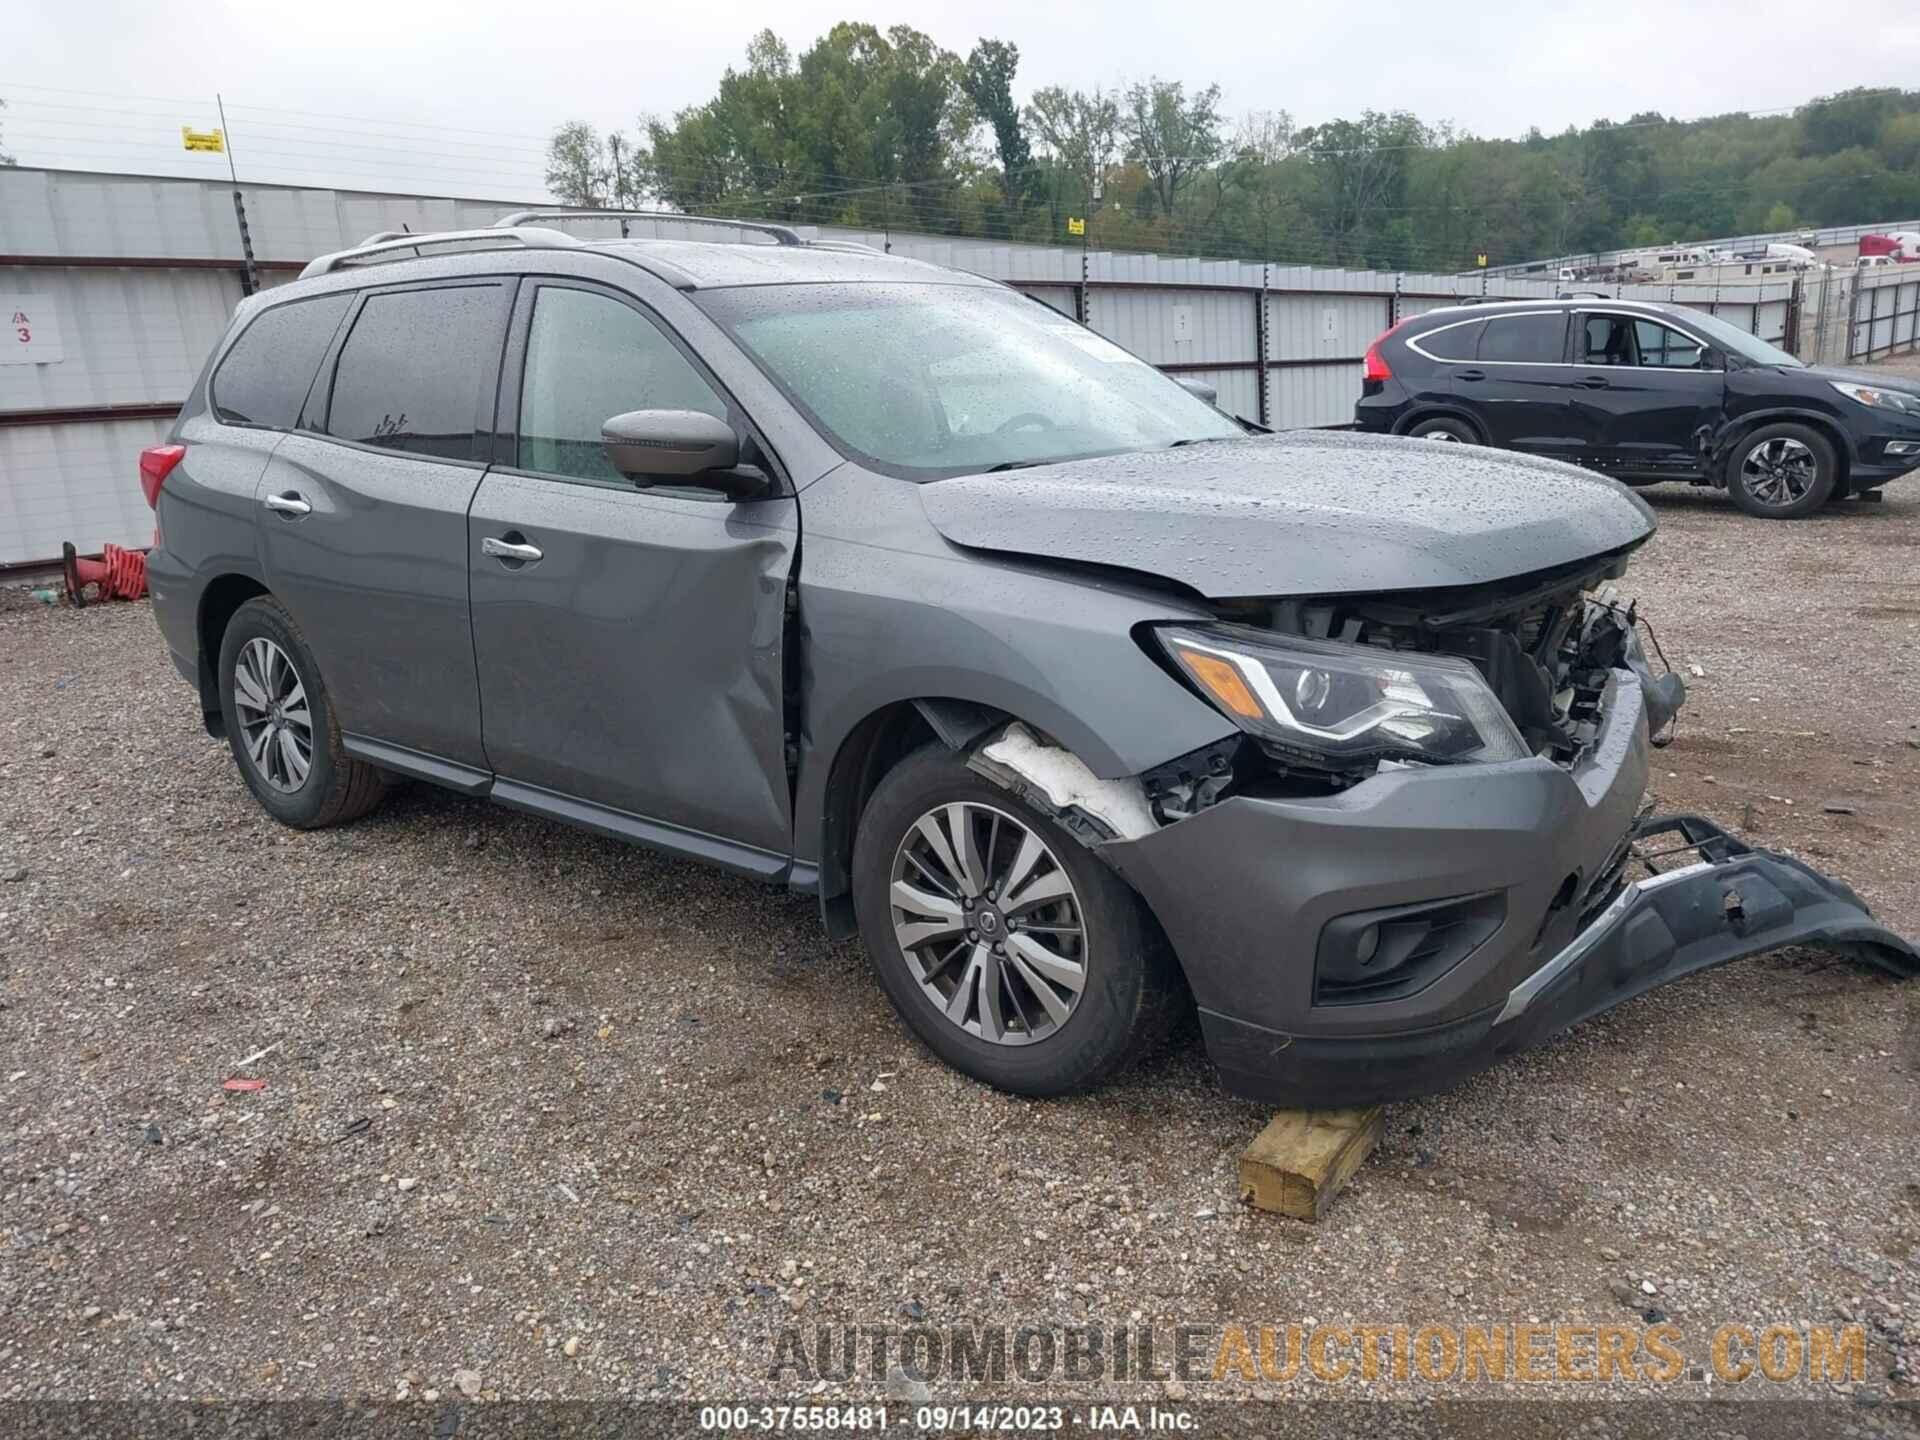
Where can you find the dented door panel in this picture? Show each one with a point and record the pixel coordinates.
(637, 663)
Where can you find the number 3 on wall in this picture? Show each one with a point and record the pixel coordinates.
(26, 335)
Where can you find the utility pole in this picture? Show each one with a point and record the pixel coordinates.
(249, 282)
(619, 173)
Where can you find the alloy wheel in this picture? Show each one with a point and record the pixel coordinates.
(990, 924)
(276, 722)
(1779, 472)
(1444, 437)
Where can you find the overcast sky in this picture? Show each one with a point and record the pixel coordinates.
(456, 96)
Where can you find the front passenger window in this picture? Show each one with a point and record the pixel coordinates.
(590, 357)
(1667, 348)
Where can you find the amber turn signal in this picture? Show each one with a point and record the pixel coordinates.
(1222, 681)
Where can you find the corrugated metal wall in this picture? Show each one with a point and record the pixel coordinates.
(74, 482)
(141, 274)
(1886, 313)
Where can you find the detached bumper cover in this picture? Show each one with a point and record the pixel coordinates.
(1721, 900)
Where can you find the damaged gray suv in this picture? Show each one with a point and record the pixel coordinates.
(1078, 700)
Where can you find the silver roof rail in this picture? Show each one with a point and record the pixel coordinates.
(394, 245)
(782, 234)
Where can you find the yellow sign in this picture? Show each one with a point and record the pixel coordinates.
(203, 140)
(1481, 259)
(1076, 226)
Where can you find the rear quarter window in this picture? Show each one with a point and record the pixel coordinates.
(1451, 342)
(264, 378)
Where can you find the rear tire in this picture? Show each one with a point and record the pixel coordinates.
(1446, 430)
(279, 719)
(1782, 472)
(1130, 991)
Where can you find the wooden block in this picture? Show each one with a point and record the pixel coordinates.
(1299, 1162)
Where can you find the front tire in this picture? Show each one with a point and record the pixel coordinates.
(1012, 952)
(1454, 432)
(1782, 472)
(281, 727)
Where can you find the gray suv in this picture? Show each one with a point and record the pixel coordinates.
(1079, 700)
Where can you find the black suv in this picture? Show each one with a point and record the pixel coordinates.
(1643, 392)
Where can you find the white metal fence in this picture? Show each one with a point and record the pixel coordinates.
(1884, 314)
(126, 282)
(1823, 238)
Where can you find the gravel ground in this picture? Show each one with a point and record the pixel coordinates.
(547, 1116)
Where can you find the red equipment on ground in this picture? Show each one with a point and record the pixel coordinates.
(120, 574)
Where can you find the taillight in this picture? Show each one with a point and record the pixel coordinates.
(156, 463)
(1376, 361)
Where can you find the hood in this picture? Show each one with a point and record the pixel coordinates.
(1305, 513)
(1875, 379)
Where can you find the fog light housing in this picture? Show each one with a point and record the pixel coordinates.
(1389, 954)
(1903, 447)
(1367, 947)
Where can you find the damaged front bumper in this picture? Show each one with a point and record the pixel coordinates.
(1542, 896)
(1722, 901)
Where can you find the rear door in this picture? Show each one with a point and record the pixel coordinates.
(1647, 391)
(1441, 351)
(1516, 384)
(364, 512)
(632, 670)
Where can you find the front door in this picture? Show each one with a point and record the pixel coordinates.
(631, 643)
(1516, 384)
(1648, 393)
(363, 512)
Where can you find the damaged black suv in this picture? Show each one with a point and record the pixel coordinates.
(1644, 392)
(876, 581)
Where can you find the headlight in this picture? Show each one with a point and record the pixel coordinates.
(1344, 702)
(1876, 399)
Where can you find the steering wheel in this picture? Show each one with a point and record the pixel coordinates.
(1026, 419)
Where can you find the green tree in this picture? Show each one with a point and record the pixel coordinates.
(1900, 142)
(1079, 132)
(882, 128)
(1850, 120)
(1362, 166)
(865, 128)
(587, 168)
(988, 81)
(1171, 136)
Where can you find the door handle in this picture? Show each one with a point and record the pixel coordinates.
(288, 504)
(1595, 382)
(1470, 375)
(502, 549)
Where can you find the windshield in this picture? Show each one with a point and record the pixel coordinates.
(924, 381)
(1748, 347)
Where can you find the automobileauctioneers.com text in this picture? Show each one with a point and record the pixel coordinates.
(1566, 1354)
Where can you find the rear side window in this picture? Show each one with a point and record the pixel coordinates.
(409, 375)
(1524, 339)
(1607, 340)
(1452, 342)
(264, 378)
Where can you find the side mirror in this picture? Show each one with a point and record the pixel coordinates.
(1198, 389)
(689, 446)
